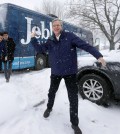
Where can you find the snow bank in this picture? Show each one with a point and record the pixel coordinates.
(11, 103)
(18, 116)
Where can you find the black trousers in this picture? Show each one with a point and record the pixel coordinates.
(72, 89)
(7, 69)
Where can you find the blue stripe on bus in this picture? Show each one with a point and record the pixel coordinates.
(23, 62)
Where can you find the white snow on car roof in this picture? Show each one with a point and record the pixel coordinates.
(109, 56)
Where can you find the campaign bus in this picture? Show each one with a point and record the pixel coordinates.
(19, 22)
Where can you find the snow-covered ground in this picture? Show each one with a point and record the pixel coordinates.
(19, 116)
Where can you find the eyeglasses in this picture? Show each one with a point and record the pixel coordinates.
(56, 25)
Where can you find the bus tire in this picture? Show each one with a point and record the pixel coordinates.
(40, 62)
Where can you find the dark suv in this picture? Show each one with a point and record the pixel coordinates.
(98, 84)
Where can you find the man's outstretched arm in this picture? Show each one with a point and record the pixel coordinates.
(40, 48)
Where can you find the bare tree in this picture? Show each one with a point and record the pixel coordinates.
(99, 14)
(52, 8)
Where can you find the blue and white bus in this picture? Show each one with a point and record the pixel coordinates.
(19, 22)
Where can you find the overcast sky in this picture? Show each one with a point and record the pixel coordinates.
(31, 4)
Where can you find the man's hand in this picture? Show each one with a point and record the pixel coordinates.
(33, 34)
(5, 58)
(102, 61)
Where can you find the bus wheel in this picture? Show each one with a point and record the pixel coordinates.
(40, 62)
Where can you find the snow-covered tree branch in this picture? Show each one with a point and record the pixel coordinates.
(98, 14)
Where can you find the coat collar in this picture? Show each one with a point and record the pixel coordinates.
(53, 37)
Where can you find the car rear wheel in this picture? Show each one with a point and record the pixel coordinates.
(94, 88)
(40, 62)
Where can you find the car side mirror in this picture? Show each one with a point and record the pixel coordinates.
(97, 64)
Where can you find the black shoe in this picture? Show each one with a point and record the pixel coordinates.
(106, 104)
(76, 130)
(7, 80)
(47, 112)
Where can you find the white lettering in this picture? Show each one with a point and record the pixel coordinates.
(41, 33)
(45, 31)
(28, 31)
(51, 28)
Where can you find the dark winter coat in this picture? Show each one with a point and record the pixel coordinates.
(2, 48)
(62, 53)
(10, 48)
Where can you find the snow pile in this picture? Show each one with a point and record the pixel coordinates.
(113, 56)
(11, 103)
(18, 116)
